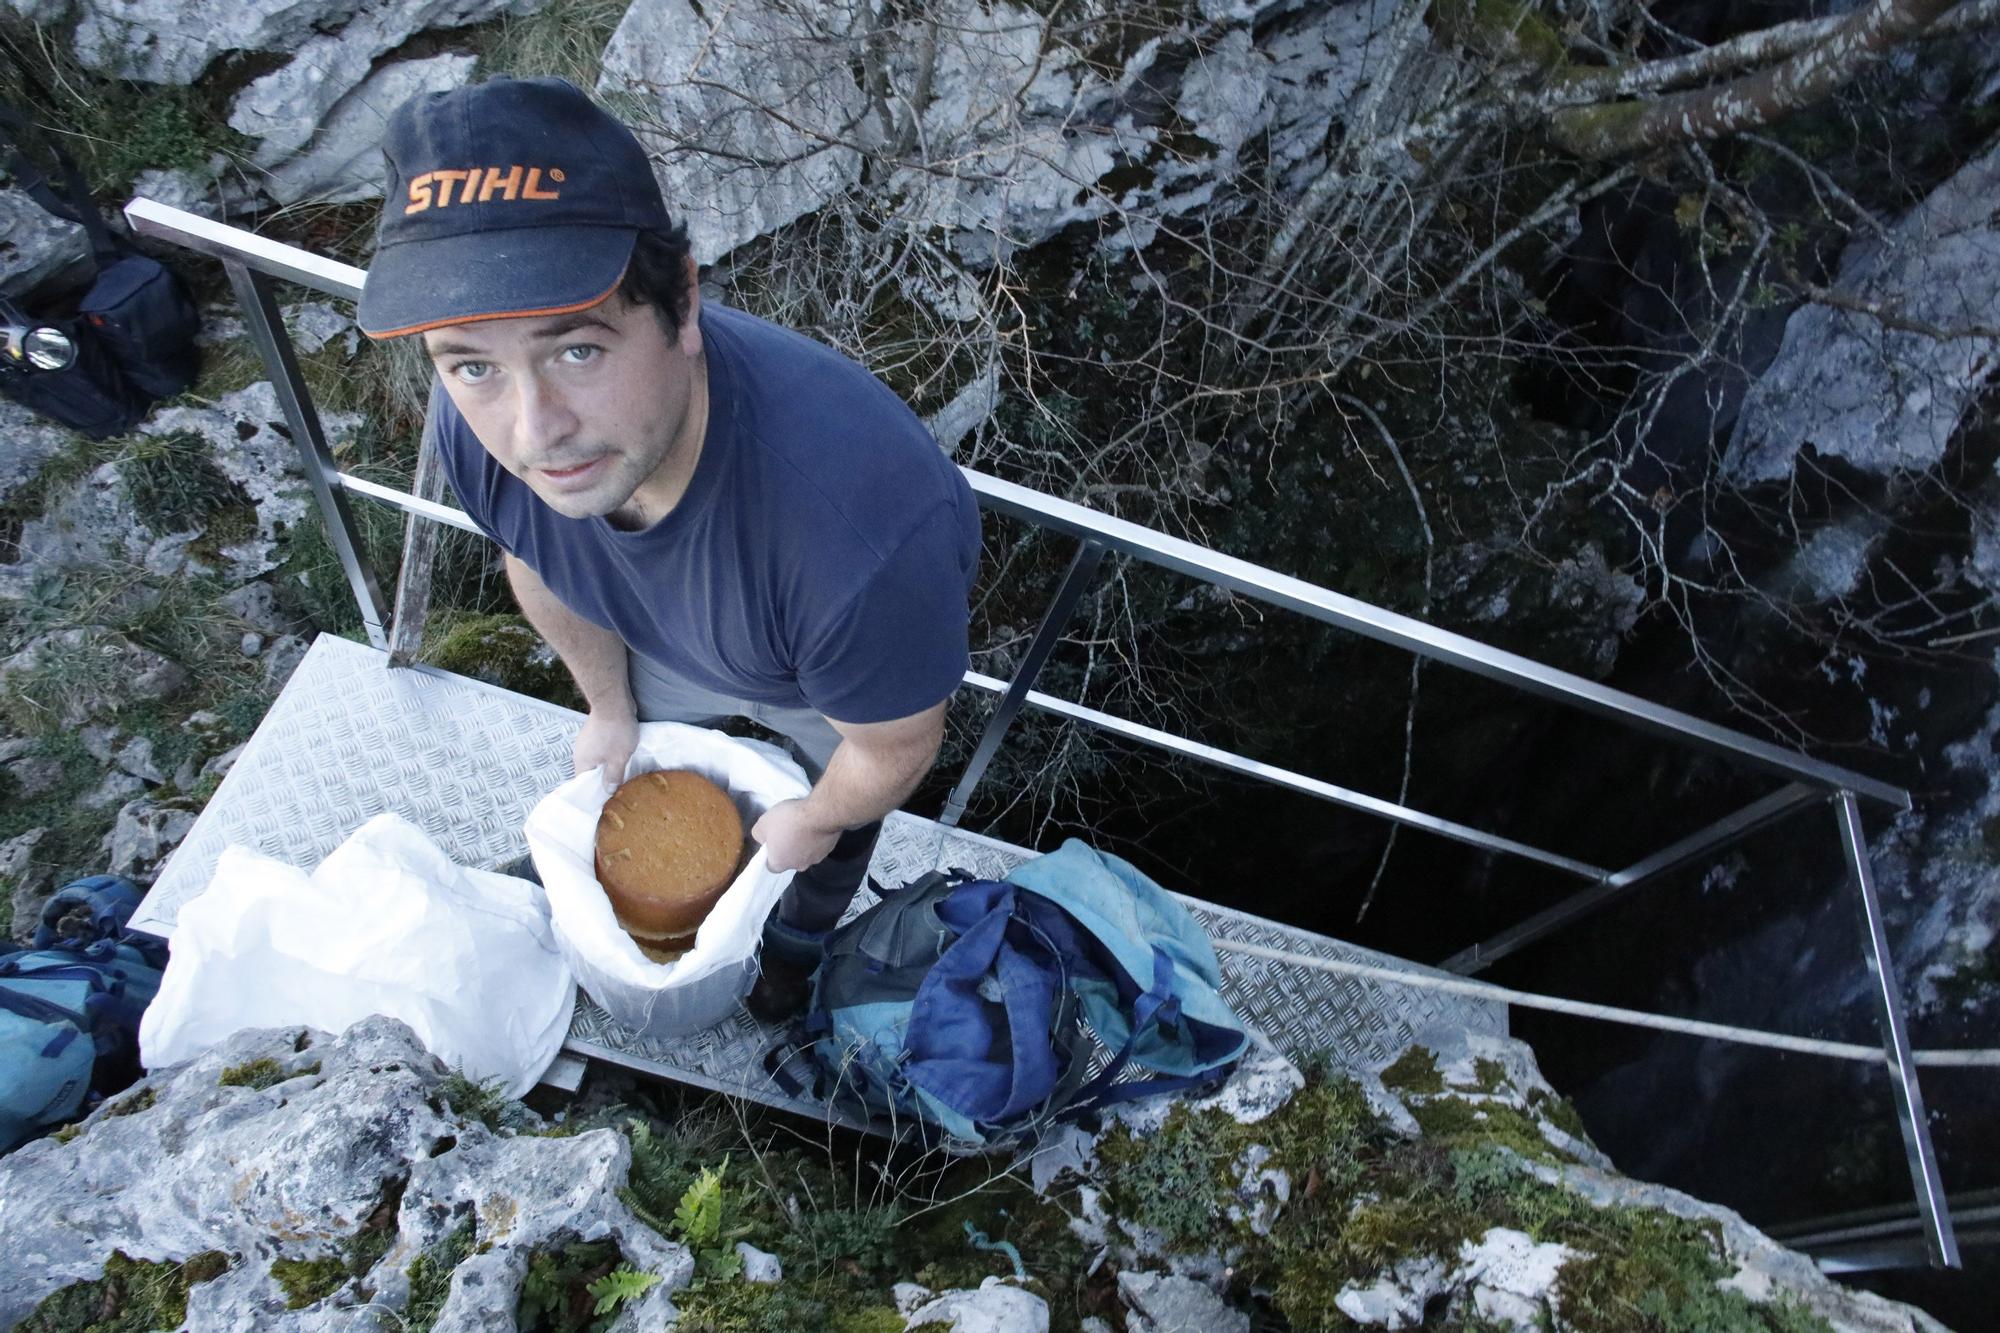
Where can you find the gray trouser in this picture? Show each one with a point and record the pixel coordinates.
(819, 894)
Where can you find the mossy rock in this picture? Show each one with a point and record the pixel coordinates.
(262, 1073)
(430, 1276)
(503, 650)
(308, 1281)
(1415, 1070)
(133, 1295)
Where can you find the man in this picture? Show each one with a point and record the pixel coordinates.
(704, 514)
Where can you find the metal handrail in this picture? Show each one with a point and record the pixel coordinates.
(253, 262)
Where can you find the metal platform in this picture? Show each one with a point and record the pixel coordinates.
(349, 738)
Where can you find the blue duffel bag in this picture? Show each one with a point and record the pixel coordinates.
(985, 1011)
(70, 1007)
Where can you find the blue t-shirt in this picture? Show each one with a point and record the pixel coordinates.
(822, 554)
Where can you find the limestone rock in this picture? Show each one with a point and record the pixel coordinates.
(35, 774)
(1162, 1303)
(1262, 1081)
(136, 757)
(1511, 1277)
(293, 1169)
(145, 833)
(1520, 1086)
(343, 163)
(98, 669)
(703, 84)
(281, 658)
(332, 44)
(759, 1265)
(203, 193)
(284, 108)
(37, 248)
(44, 12)
(90, 522)
(1396, 1299)
(112, 791)
(997, 1306)
(256, 605)
(32, 884)
(1884, 399)
(248, 442)
(173, 41)
(1764, 1267)
(99, 742)
(27, 442)
(314, 324)
(222, 763)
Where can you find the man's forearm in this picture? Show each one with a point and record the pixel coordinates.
(860, 785)
(594, 655)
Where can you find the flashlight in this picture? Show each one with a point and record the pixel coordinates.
(39, 346)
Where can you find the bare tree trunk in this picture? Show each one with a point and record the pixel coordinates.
(1751, 101)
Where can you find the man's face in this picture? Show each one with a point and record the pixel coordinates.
(585, 408)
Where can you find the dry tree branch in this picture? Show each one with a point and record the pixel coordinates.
(1753, 100)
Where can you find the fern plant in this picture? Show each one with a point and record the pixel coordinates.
(621, 1284)
(699, 1218)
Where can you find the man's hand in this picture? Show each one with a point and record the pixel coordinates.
(607, 741)
(792, 839)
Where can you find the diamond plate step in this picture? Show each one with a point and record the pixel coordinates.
(349, 738)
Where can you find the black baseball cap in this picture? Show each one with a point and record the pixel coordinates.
(507, 198)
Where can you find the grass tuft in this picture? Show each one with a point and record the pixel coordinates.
(262, 1073)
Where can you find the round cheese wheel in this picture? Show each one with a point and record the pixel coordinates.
(668, 843)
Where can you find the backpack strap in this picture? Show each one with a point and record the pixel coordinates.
(38, 1010)
(15, 131)
(956, 1054)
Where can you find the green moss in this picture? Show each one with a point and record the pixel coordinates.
(1488, 1075)
(262, 1073)
(1596, 131)
(1559, 1112)
(757, 1307)
(1172, 1181)
(308, 1281)
(133, 1296)
(141, 1100)
(1649, 1271)
(67, 1134)
(1415, 1070)
(430, 1276)
(1383, 1233)
(501, 650)
(1452, 1121)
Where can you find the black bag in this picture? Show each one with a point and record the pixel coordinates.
(133, 330)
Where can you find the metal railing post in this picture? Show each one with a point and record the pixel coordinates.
(1081, 569)
(267, 330)
(1702, 842)
(1931, 1207)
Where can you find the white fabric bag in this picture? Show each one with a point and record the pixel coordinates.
(387, 924)
(701, 987)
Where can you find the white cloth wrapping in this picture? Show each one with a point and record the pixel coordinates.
(702, 987)
(387, 924)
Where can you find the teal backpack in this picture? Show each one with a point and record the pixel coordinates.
(70, 1007)
(980, 1012)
